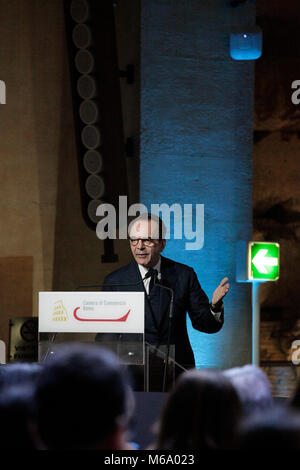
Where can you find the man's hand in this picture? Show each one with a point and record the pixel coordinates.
(220, 292)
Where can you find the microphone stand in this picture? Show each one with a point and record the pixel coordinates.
(154, 273)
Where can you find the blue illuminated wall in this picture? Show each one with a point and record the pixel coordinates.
(196, 147)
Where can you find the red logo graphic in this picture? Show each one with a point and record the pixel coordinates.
(121, 319)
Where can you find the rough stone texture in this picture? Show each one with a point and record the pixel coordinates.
(196, 147)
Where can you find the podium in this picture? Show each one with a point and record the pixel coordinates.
(114, 320)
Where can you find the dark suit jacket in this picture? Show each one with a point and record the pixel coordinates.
(188, 297)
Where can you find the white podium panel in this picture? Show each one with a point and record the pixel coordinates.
(91, 312)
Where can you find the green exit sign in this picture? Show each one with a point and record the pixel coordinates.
(263, 261)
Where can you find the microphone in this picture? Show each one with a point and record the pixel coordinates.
(154, 273)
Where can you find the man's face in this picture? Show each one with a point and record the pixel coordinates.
(147, 256)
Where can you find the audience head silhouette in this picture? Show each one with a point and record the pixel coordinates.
(276, 429)
(253, 388)
(82, 399)
(202, 412)
(17, 417)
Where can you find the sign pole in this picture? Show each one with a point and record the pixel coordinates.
(256, 262)
(255, 323)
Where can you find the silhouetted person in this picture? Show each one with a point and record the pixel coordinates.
(147, 238)
(17, 382)
(17, 417)
(83, 400)
(253, 388)
(201, 413)
(278, 429)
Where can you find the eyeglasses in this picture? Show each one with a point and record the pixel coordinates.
(145, 241)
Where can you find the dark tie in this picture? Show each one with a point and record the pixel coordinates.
(154, 299)
(151, 284)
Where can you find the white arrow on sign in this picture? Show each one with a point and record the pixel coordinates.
(260, 261)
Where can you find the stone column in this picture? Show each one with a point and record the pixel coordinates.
(196, 148)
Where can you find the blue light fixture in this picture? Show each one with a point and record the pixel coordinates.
(245, 35)
(246, 44)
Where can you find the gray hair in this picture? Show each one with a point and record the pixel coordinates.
(252, 386)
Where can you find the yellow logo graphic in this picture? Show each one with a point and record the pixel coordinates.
(60, 312)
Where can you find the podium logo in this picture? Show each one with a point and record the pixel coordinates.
(2, 92)
(59, 312)
(123, 318)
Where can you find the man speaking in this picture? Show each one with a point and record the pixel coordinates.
(147, 241)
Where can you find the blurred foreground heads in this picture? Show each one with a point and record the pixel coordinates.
(83, 400)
